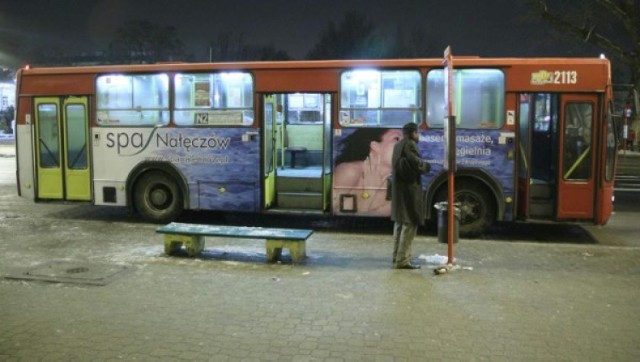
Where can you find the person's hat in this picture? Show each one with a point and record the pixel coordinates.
(409, 128)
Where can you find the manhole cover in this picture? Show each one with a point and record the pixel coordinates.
(72, 272)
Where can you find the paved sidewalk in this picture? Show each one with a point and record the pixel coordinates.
(510, 300)
(7, 147)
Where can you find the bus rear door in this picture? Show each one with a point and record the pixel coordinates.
(61, 148)
(576, 178)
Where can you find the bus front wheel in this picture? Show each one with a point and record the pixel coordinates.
(477, 208)
(158, 197)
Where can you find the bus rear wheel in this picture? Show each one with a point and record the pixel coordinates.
(477, 208)
(158, 197)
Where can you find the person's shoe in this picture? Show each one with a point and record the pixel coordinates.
(408, 266)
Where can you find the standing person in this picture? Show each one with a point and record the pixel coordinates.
(10, 117)
(407, 207)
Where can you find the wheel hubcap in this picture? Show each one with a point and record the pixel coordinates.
(158, 197)
(469, 208)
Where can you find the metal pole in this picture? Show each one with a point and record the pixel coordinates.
(451, 215)
(450, 152)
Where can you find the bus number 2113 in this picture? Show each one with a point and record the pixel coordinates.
(565, 77)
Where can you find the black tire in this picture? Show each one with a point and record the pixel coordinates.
(477, 207)
(157, 197)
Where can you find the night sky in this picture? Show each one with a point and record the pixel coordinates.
(471, 27)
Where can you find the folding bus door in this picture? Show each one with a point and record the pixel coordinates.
(270, 110)
(61, 148)
(48, 146)
(576, 179)
(537, 185)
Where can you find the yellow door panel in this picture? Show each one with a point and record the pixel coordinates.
(48, 147)
(269, 124)
(77, 175)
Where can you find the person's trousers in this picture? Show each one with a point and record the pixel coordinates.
(403, 234)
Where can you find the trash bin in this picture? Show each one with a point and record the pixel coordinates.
(443, 222)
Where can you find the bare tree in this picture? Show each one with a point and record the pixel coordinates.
(611, 25)
(7, 74)
(229, 47)
(356, 37)
(12, 49)
(353, 38)
(141, 41)
(415, 44)
(226, 47)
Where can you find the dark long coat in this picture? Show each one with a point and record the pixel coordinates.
(407, 204)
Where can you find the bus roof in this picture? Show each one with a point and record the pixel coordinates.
(459, 61)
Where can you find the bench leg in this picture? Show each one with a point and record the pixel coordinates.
(194, 244)
(297, 250)
(273, 253)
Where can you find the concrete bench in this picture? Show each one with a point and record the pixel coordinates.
(192, 236)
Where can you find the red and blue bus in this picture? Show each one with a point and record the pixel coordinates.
(534, 137)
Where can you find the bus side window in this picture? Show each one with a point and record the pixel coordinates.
(132, 100)
(374, 98)
(304, 108)
(577, 142)
(478, 98)
(213, 99)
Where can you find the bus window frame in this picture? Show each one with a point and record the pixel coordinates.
(223, 113)
(165, 111)
(306, 106)
(345, 113)
(458, 96)
(577, 145)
